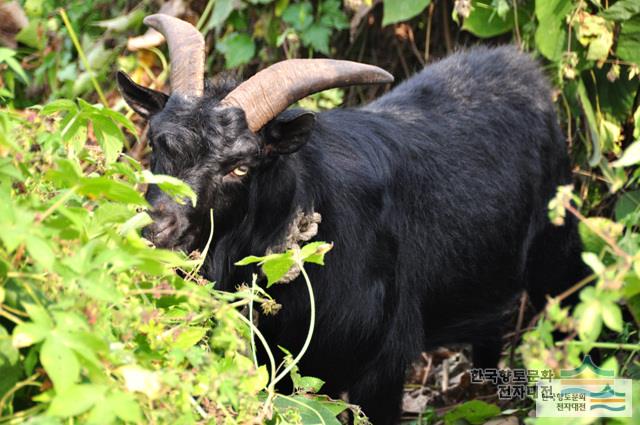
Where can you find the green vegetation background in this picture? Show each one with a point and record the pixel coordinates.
(97, 327)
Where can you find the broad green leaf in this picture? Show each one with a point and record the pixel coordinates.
(612, 316)
(485, 21)
(550, 35)
(76, 400)
(97, 187)
(311, 412)
(397, 11)
(276, 268)
(317, 36)
(474, 412)
(60, 362)
(237, 49)
(188, 337)
(628, 46)
(26, 334)
(621, 10)
(298, 15)
(38, 315)
(221, 11)
(627, 204)
(109, 136)
(590, 324)
(40, 251)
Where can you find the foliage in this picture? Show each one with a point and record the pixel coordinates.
(96, 325)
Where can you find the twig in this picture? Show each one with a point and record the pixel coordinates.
(427, 41)
(445, 26)
(515, 23)
(82, 56)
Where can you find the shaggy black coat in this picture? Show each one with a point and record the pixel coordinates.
(435, 197)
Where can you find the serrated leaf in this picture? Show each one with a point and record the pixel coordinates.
(485, 21)
(237, 49)
(109, 137)
(59, 105)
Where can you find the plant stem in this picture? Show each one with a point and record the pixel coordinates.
(312, 322)
(56, 205)
(205, 15)
(82, 56)
(609, 345)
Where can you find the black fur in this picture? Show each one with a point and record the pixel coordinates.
(435, 196)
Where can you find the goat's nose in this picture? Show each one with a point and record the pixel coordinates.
(163, 230)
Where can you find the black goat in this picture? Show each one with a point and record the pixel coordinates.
(435, 196)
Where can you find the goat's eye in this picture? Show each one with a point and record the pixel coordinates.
(240, 171)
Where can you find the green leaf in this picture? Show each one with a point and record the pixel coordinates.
(317, 36)
(474, 412)
(275, 268)
(485, 21)
(60, 362)
(612, 316)
(630, 156)
(593, 261)
(7, 56)
(172, 186)
(109, 136)
(10, 367)
(299, 15)
(26, 334)
(38, 315)
(58, 105)
(590, 324)
(237, 49)
(188, 337)
(621, 10)
(221, 11)
(114, 190)
(125, 406)
(627, 204)
(76, 400)
(550, 35)
(312, 412)
(40, 251)
(397, 11)
(628, 47)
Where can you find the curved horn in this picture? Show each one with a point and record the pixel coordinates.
(272, 90)
(186, 52)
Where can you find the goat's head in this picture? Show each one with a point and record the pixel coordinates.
(217, 145)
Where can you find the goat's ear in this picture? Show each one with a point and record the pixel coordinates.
(289, 131)
(144, 101)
